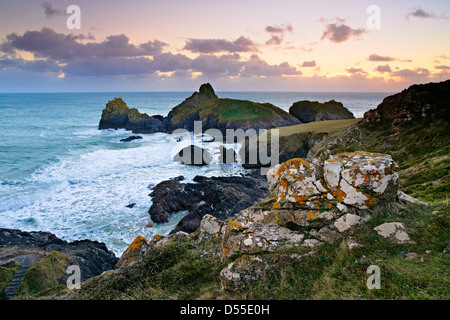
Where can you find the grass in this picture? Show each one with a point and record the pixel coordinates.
(227, 110)
(337, 272)
(176, 270)
(43, 275)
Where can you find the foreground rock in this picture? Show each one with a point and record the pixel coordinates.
(309, 111)
(219, 196)
(117, 115)
(411, 126)
(52, 257)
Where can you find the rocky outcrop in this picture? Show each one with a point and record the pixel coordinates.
(309, 111)
(310, 203)
(117, 115)
(420, 101)
(219, 196)
(92, 257)
(205, 93)
(194, 156)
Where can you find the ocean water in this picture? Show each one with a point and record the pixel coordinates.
(59, 173)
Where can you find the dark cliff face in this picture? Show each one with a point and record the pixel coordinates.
(422, 102)
(309, 111)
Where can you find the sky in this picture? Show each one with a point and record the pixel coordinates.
(245, 45)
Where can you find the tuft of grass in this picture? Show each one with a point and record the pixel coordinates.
(44, 275)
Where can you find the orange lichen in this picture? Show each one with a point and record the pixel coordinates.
(233, 225)
(276, 205)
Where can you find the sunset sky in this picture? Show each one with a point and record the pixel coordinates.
(245, 45)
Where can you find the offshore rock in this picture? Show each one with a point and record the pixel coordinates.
(309, 111)
(118, 115)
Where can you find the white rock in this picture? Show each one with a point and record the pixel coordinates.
(346, 222)
(332, 173)
(393, 230)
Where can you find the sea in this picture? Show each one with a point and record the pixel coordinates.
(60, 173)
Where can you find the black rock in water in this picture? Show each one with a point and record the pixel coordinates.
(131, 138)
(221, 197)
(194, 156)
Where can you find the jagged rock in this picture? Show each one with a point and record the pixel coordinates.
(134, 251)
(309, 111)
(394, 231)
(194, 156)
(219, 196)
(117, 115)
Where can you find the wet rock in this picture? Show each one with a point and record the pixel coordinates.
(131, 138)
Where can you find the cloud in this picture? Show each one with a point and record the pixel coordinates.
(47, 43)
(309, 64)
(59, 53)
(442, 67)
(416, 74)
(339, 32)
(356, 70)
(422, 14)
(385, 68)
(376, 57)
(255, 66)
(50, 11)
(241, 44)
(277, 33)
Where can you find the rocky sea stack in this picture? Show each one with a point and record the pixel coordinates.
(118, 115)
(309, 111)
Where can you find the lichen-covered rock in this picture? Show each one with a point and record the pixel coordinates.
(247, 269)
(296, 181)
(360, 179)
(347, 222)
(210, 227)
(258, 238)
(134, 251)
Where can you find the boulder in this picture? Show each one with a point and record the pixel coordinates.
(360, 179)
(394, 231)
(118, 115)
(194, 156)
(309, 111)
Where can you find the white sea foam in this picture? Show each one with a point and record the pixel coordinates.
(85, 196)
